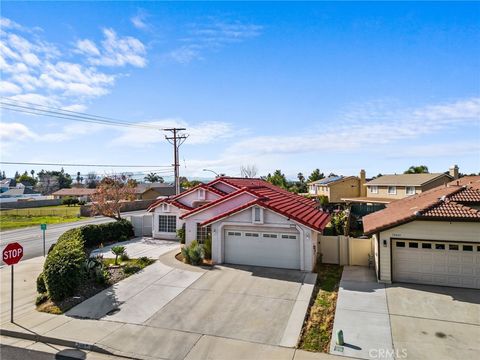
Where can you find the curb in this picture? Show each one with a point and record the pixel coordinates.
(61, 342)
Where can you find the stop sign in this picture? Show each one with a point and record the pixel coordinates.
(12, 253)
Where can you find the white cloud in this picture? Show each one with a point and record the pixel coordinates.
(14, 132)
(212, 35)
(9, 88)
(36, 71)
(115, 50)
(139, 20)
(201, 133)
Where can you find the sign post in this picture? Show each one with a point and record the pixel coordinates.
(11, 255)
(43, 227)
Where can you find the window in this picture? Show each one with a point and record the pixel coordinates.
(233, 233)
(201, 194)
(251, 234)
(374, 189)
(285, 236)
(413, 245)
(167, 223)
(203, 232)
(400, 244)
(257, 215)
(439, 246)
(467, 248)
(426, 246)
(392, 190)
(452, 247)
(273, 236)
(410, 190)
(165, 208)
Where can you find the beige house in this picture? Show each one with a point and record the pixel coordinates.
(430, 238)
(337, 187)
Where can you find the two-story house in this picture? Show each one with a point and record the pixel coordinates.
(337, 187)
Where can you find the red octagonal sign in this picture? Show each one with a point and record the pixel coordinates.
(12, 253)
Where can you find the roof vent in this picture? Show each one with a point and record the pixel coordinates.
(443, 198)
(417, 213)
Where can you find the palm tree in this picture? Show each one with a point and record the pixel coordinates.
(118, 251)
(153, 177)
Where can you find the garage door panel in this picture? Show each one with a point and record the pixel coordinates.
(270, 251)
(437, 263)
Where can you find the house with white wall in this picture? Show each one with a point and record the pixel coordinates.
(250, 222)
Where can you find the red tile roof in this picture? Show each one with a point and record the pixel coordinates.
(74, 192)
(171, 201)
(441, 203)
(472, 181)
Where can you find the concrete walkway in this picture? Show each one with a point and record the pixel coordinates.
(140, 246)
(116, 337)
(362, 314)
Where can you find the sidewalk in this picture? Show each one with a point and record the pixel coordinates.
(116, 338)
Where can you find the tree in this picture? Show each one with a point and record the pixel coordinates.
(420, 169)
(92, 180)
(248, 171)
(78, 177)
(17, 175)
(33, 173)
(315, 175)
(26, 179)
(301, 185)
(2, 176)
(110, 194)
(278, 179)
(153, 178)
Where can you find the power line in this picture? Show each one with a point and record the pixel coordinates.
(50, 111)
(90, 165)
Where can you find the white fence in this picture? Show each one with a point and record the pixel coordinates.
(344, 250)
(142, 224)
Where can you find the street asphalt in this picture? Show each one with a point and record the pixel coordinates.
(31, 237)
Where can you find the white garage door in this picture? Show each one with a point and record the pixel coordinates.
(262, 249)
(437, 263)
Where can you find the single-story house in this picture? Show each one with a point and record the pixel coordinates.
(82, 194)
(430, 238)
(250, 221)
(19, 191)
(337, 187)
(147, 191)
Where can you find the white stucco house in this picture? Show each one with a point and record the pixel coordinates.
(250, 221)
(430, 238)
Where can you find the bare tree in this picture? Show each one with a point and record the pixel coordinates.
(110, 194)
(248, 171)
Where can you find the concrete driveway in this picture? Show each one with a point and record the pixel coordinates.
(434, 322)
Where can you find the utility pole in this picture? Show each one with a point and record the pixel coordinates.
(176, 140)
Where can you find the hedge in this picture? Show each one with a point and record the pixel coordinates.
(62, 272)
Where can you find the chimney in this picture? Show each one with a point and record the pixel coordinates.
(453, 171)
(363, 188)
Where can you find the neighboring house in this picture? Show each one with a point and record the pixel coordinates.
(430, 238)
(335, 188)
(6, 184)
(250, 221)
(19, 191)
(154, 191)
(82, 194)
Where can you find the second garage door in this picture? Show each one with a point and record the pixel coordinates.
(437, 263)
(262, 249)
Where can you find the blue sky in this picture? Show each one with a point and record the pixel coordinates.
(292, 86)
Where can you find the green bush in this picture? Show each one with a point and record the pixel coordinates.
(207, 248)
(181, 234)
(95, 235)
(195, 253)
(40, 299)
(41, 288)
(63, 267)
(185, 255)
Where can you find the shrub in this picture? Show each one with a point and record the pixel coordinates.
(207, 248)
(124, 257)
(95, 235)
(41, 288)
(40, 299)
(195, 253)
(63, 267)
(185, 255)
(131, 269)
(181, 234)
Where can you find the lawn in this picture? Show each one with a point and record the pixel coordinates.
(18, 218)
(317, 330)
